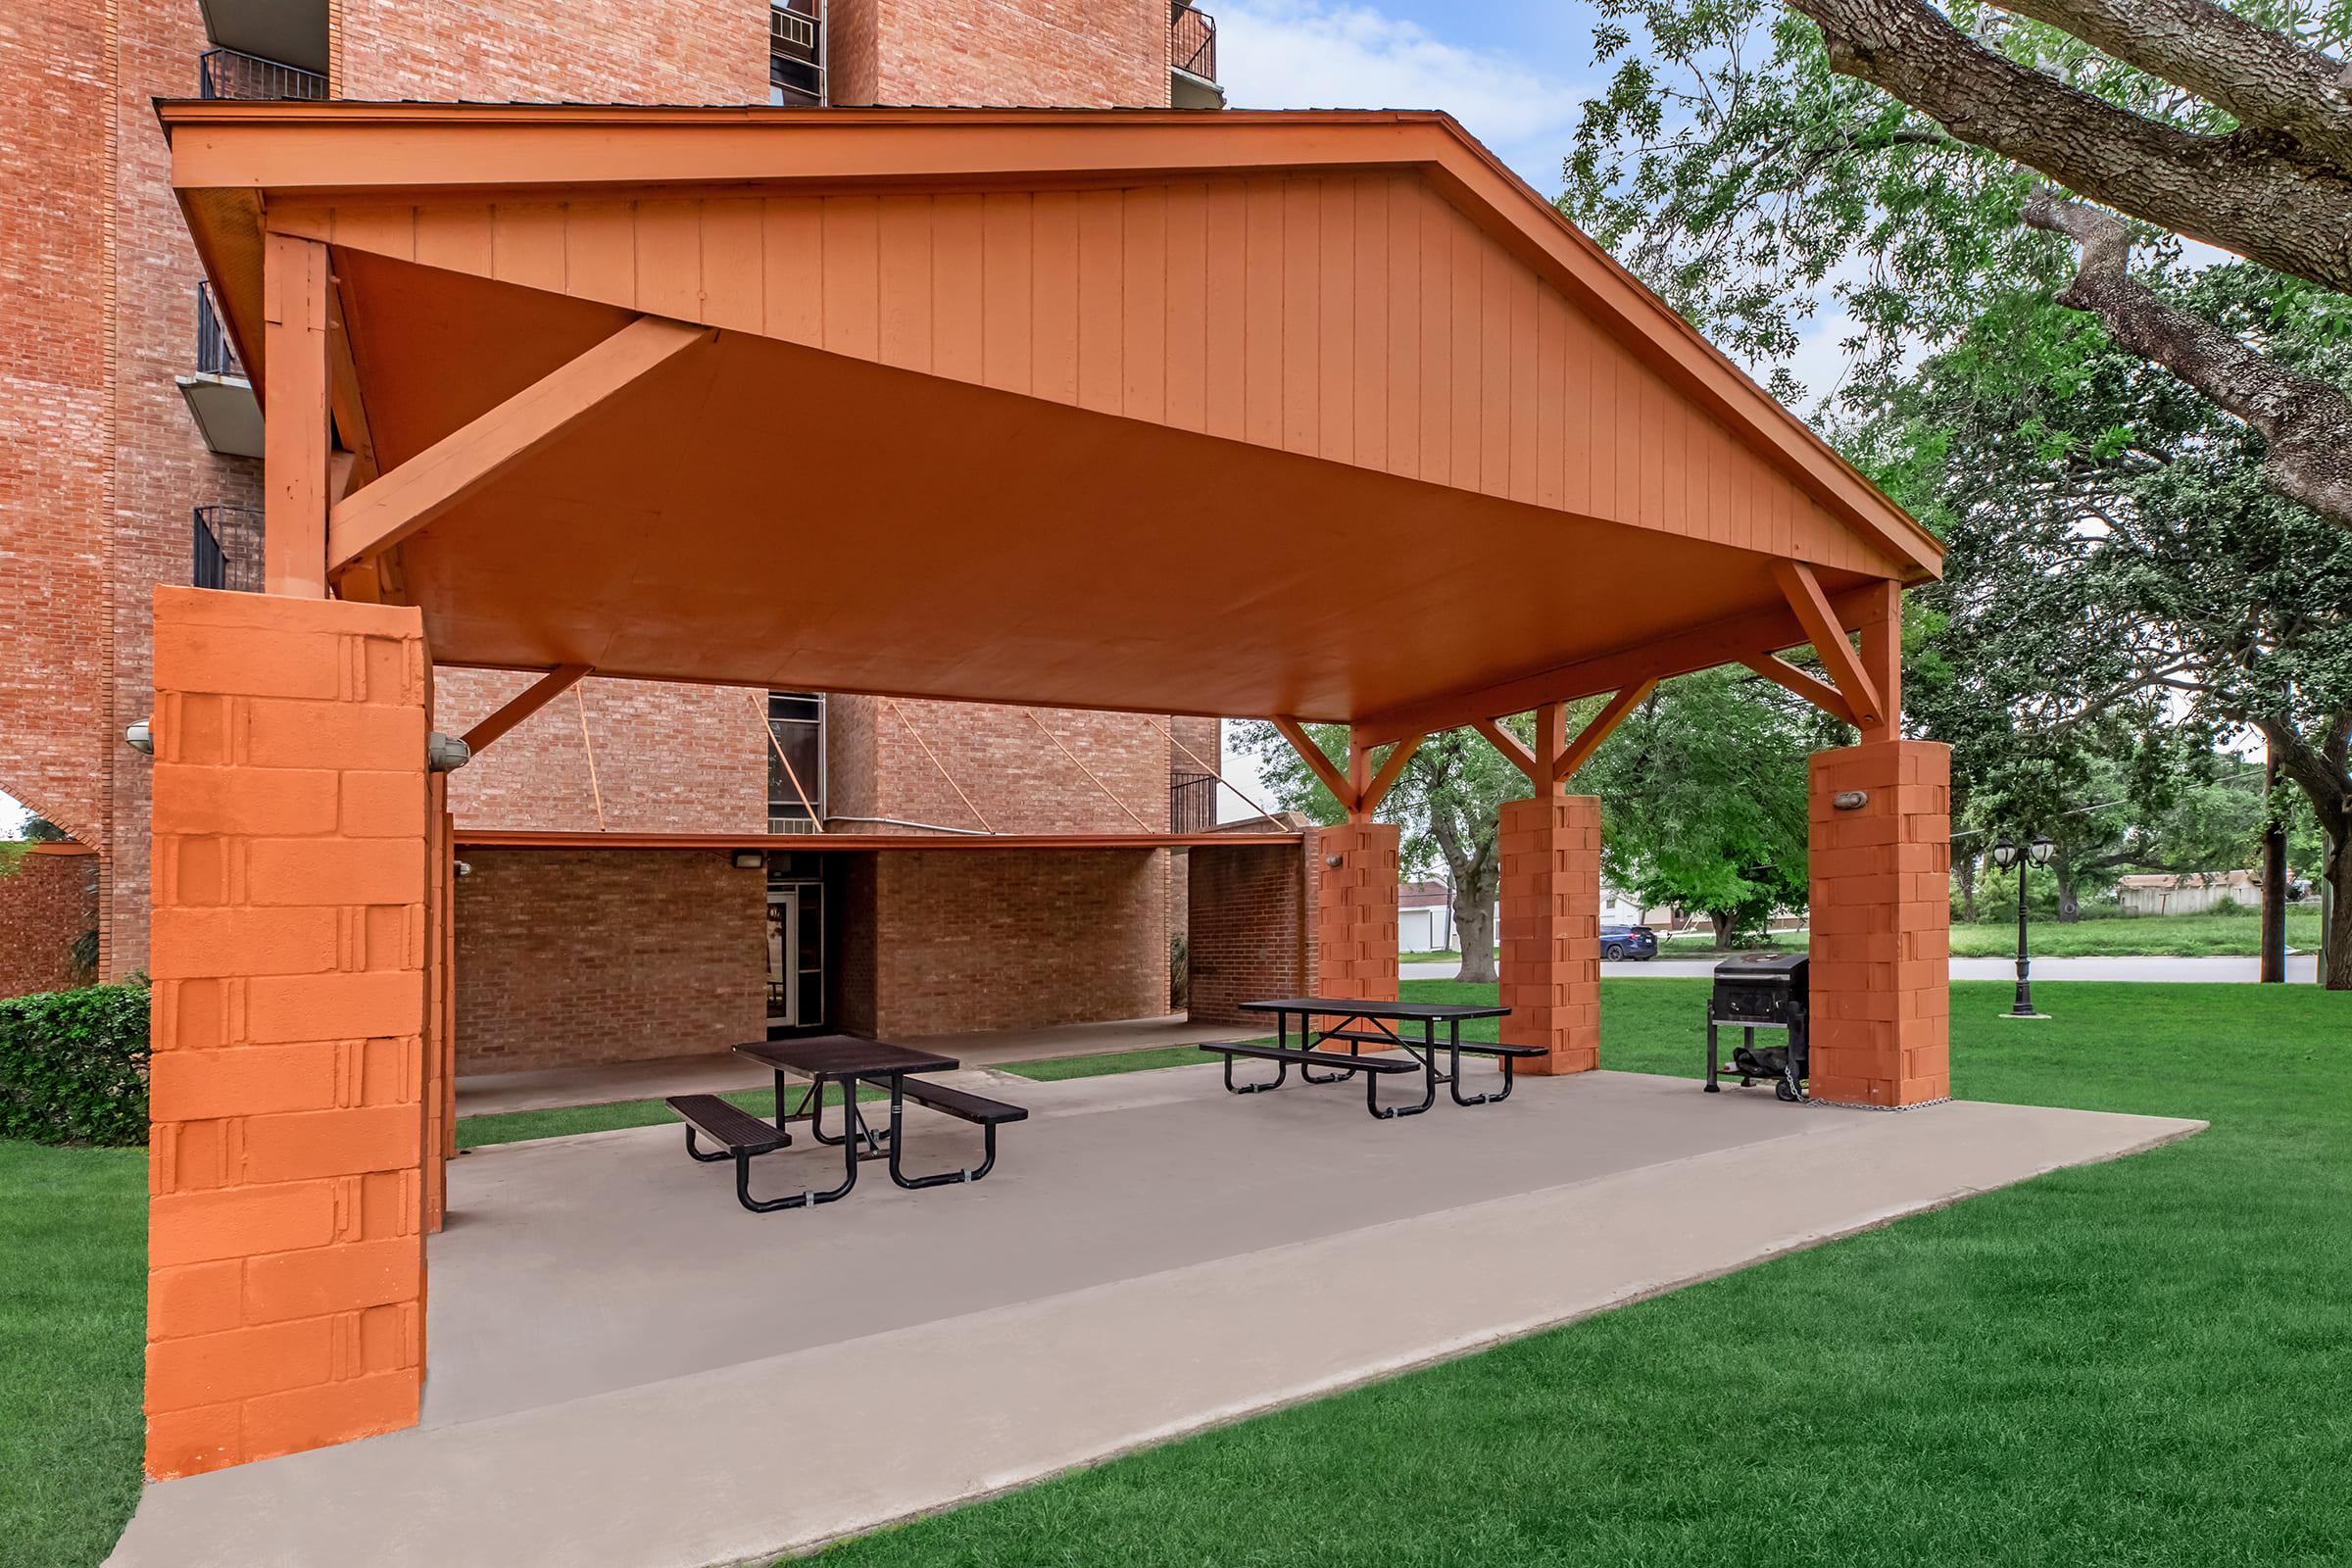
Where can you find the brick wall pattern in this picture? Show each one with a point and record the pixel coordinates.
(1550, 930)
(1356, 910)
(47, 902)
(1249, 936)
(1882, 924)
(285, 1249)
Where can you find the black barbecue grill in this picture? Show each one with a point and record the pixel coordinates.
(1760, 990)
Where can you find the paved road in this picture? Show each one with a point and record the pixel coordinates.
(2301, 969)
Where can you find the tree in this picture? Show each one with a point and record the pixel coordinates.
(1892, 156)
(2119, 563)
(1703, 791)
(1446, 801)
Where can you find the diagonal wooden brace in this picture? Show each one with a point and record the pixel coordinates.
(1804, 592)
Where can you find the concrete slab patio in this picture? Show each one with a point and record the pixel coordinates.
(630, 1371)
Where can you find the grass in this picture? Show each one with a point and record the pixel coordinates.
(72, 1327)
(520, 1126)
(2235, 933)
(2134, 1363)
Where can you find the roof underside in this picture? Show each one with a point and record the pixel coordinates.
(1310, 415)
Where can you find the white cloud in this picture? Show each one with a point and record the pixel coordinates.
(1314, 54)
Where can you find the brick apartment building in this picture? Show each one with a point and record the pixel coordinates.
(647, 869)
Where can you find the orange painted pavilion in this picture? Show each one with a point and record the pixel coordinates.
(1373, 436)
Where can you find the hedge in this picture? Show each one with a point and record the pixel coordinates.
(73, 1065)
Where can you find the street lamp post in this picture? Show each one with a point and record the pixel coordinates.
(2006, 854)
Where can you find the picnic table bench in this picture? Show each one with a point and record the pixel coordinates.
(1360, 1023)
(847, 1061)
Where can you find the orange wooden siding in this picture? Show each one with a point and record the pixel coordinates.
(1357, 318)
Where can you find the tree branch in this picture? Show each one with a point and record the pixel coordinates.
(2307, 422)
(2263, 79)
(2238, 191)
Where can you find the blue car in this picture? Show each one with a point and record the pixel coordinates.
(1628, 941)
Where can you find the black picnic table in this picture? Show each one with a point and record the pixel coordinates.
(846, 1060)
(1384, 1026)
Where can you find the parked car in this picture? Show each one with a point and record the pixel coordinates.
(1628, 941)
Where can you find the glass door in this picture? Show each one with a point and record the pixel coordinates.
(783, 958)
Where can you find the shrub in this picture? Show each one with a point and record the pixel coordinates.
(73, 1065)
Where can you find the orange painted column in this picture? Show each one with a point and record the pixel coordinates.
(1550, 930)
(285, 1249)
(1355, 912)
(1880, 856)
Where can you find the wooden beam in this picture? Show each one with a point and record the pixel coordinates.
(296, 446)
(343, 395)
(1518, 756)
(1825, 630)
(1391, 769)
(1828, 699)
(372, 520)
(1883, 658)
(1702, 647)
(523, 704)
(1587, 739)
(1551, 744)
(1322, 766)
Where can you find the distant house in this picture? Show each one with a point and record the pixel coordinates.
(1424, 917)
(2187, 893)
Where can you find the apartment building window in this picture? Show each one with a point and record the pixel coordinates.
(796, 53)
(795, 763)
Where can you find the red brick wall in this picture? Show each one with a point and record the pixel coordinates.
(1356, 910)
(584, 955)
(1246, 902)
(593, 51)
(668, 759)
(986, 939)
(1017, 777)
(1071, 53)
(47, 902)
(1550, 930)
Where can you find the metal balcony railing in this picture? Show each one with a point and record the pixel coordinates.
(1192, 802)
(227, 73)
(227, 548)
(1193, 42)
(216, 355)
(796, 53)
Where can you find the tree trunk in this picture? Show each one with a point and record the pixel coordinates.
(2336, 958)
(2069, 902)
(1474, 921)
(1964, 868)
(1721, 920)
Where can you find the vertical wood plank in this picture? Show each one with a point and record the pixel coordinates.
(1551, 396)
(526, 242)
(959, 270)
(1300, 341)
(1187, 343)
(852, 302)
(1102, 288)
(1371, 319)
(1053, 302)
(1225, 360)
(457, 238)
(669, 259)
(1335, 317)
(1405, 347)
(1144, 304)
(791, 257)
(295, 441)
(903, 281)
(1261, 328)
(1527, 348)
(1576, 429)
(1437, 338)
(1468, 342)
(600, 251)
(732, 277)
(1007, 331)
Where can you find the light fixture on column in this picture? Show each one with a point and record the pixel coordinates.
(446, 754)
(140, 737)
(2005, 855)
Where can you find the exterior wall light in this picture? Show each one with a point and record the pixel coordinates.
(1850, 799)
(446, 754)
(750, 861)
(1333, 860)
(140, 737)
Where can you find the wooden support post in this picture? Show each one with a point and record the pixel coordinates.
(296, 443)
(1883, 658)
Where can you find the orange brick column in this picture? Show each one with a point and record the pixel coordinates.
(1355, 912)
(1550, 930)
(285, 1260)
(1880, 856)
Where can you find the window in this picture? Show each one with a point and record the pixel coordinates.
(796, 762)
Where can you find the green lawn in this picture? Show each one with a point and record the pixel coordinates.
(518, 1126)
(2139, 1363)
(2136, 1363)
(2237, 933)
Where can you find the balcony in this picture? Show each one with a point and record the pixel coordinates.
(227, 549)
(796, 54)
(1192, 802)
(1193, 59)
(291, 33)
(229, 74)
(218, 395)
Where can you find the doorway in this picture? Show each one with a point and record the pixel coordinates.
(796, 954)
